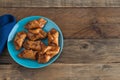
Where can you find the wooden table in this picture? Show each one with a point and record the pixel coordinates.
(91, 30)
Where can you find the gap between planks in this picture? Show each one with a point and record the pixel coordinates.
(77, 51)
(77, 23)
(63, 71)
(60, 3)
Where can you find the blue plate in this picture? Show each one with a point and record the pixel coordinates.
(20, 27)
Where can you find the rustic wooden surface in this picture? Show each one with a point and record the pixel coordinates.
(60, 3)
(91, 30)
(77, 22)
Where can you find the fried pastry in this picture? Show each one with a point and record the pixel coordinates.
(33, 24)
(19, 39)
(42, 22)
(53, 51)
(28, 54)
(36, 24)
(32, 36)
(47, 54)
(43, 46)
(53, 37)
(34, 45)
(43, 58)
(38, 31)
(47, 48)
(35, 31)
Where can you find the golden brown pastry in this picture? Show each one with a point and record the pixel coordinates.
(35, 31)
(49, 52)
(28, 54)
(34, 45)
(53, 37)
(43, 46)
(33, 35)
(47, 48)
(36, 24)
(38, 31)
(42, 22)
(19, 39)
(53, 51)
(32, 24)
(43, 58)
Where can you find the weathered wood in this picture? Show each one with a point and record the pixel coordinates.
(89, 53)
(77, 22)
(84, 51)
(60, 3)
(62, 72)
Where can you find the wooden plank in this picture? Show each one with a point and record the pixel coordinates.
(63, 71)
(60, 3)
(77, 22)
(84, 51)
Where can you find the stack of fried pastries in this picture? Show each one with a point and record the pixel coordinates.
(34, 48)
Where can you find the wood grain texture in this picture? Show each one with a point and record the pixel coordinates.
(84, 51)
(77, 23)
(63, 71)
(60, 3)
(92, 39)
